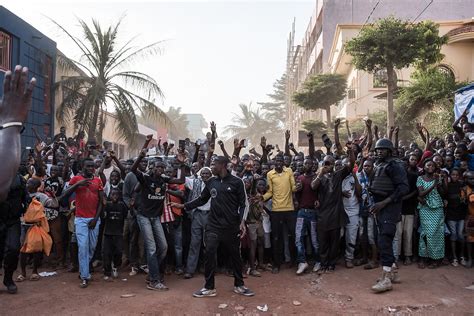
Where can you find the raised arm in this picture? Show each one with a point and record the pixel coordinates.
(311, 149)
(287, 145)
(118, 163)
(337, 141)
(14, 108)
(419, 128)
(395, 138)
(224, 152)
(368, 124)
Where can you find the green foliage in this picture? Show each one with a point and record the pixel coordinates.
(440, 118)
(321, 91)
(315, 126)
(275, 109)
(101, 79)
(395, 43)
(426, 88)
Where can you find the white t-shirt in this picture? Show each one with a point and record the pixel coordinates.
(351, 204)
(189, 185)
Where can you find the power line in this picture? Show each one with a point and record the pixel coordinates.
(370, 14)
(422, 11)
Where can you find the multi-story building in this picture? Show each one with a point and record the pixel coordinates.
(367, 92)
(22, 44)
(312, 54)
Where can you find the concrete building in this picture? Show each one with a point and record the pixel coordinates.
(366, 92)
(311, 55)
(196, 123)
(22, 44)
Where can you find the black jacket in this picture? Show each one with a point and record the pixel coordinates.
(228, 202)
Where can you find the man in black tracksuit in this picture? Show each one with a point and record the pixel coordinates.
(226, 224)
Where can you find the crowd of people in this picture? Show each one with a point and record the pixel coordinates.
(368, 200)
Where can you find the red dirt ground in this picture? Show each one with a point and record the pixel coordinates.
(437, 292)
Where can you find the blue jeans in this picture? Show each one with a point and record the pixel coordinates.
(155, 244)
(86, 243)
(305, 223)
(174, 236)
(352, 227)
(456, 229)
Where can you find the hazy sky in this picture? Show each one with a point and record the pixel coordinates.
(216, 54)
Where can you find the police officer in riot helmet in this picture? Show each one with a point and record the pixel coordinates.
(388, 185)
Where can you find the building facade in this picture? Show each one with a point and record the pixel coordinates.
(367, 92)
(311, 55)
(22, 44)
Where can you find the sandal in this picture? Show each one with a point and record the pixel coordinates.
(432, 266)
(34, 277)
(371, 265)
(20, 278)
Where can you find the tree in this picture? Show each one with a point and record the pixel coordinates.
(250, 124)
(320, 92)
(103, 81)
(179, 122)
(275, 109)
(317, 127)
(426, 88)
(394, 44)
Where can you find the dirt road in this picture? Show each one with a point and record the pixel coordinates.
(436, 292)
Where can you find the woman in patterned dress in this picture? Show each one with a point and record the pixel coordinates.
(431, 213)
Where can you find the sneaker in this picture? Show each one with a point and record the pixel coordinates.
(133, 272)
(275, 270)
(349, 264)
(242, 290)
(179, 271)
(205, 293)
(301, 268)
(158, 286)
(188, 275)
(255, 273)
(107, 278)
(84, 284)
(383, 285)
(455, 263)
(317, 267)
(330, 269)
(463, 261)
(144, 268)
(115, 273)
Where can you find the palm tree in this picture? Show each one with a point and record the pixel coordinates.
(250, 124)
(179, 122)
(101, 80)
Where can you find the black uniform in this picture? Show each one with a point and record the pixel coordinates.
(228, 204)
(389, 180)
(10, 228)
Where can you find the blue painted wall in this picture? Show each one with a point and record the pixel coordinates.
(34, 50)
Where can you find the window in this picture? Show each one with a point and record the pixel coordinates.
(5, 51)
(446, 70)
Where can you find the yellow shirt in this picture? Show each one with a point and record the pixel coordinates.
(280, 189)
